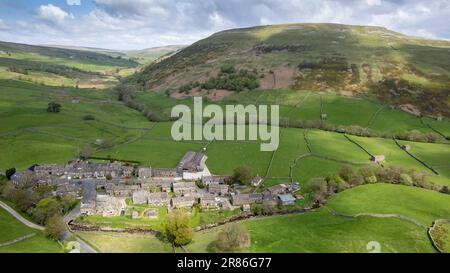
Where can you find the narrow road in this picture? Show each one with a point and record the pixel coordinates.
(20, 218)
(85, 248)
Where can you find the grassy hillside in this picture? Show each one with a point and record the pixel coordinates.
(62, 66)
(11, 229)
(353, 60)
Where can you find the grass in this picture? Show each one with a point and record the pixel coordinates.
(420, 204)
(11, 228)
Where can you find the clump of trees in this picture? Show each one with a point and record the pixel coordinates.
(413, 135)
(233, 238)
(177, 229)
(242, 175)
(229, 78)
(54, 107)
(322, 188)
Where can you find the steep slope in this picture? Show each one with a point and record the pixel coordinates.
(398, 69)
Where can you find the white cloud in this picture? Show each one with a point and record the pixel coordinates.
(74, 2)
(135, 24)
(3, 25)
(52, 14)
(373, 2)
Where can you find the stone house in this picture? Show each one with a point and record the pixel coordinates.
(183, 202)
(104, 205)
(144, 173)
(209, 201)
(181, 188)
(215, 179)
(278, 189)
(109, 206)
(242, 199)
(158, 199)
(406, 147)
(166, 173)
(140, 197)
(219, 189)
(378, 158)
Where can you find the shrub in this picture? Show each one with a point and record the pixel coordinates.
(88, 117)
(347, 173)
(368, 175)
(54, 107)
(10, 172)
(406, 180)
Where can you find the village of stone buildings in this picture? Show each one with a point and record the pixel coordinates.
(105, 187)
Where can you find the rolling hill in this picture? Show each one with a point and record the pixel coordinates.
(73, 66)
(410, 72)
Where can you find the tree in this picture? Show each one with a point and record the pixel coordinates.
(55, 227)
(177, 229)
(46, 208)
(318, 188)
(24, 198)
(10, 172)
(233, 238)
(54, 107)
(347, 173)
(86, 152)
(242, 174)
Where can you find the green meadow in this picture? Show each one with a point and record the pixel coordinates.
(11, 229)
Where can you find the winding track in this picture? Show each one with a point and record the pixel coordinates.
(85, 248)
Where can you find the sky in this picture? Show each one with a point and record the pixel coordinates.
(138, 24)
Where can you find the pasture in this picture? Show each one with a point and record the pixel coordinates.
(11, 229)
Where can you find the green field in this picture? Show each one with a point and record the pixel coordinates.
(11, 229)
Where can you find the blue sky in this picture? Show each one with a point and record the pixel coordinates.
(137, 24)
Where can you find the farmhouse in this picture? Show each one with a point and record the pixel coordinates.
(286, 199)
(278, 189)
(105, 205)
(243, 199)
(109, 206)
(182, 188)
(192, 166)
(158, 199)
(140, 197)
(219, 189)
(192, 162)
(183, 202)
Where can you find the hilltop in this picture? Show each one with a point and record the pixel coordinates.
(405, 71)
